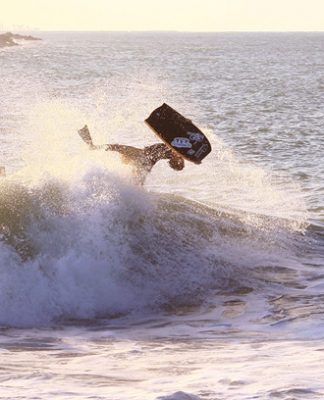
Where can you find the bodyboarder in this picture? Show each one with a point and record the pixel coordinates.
(141, 160)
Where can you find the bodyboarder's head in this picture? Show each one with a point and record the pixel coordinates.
(176, 162)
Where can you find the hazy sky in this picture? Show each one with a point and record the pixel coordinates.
(180, 15)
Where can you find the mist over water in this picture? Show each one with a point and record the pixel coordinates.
(191, 284)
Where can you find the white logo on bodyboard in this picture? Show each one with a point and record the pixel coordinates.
(195, 136)
(181, 142)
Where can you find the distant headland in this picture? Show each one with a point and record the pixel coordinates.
(8, 39)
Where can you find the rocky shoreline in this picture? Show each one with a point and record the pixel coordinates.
(8, 39)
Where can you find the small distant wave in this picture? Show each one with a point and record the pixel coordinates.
(179, 396)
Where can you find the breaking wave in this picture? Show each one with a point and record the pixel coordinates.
(80, 241)
(100, 247)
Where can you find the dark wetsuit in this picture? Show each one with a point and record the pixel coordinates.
(143, 160)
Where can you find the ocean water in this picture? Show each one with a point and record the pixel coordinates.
(203, 284)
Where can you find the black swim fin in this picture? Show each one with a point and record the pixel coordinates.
(85, 136)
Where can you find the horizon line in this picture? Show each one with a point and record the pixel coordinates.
(157, 31)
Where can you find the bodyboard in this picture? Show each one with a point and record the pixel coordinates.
(179, 133)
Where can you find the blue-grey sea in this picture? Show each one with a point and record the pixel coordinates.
(204, 284)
